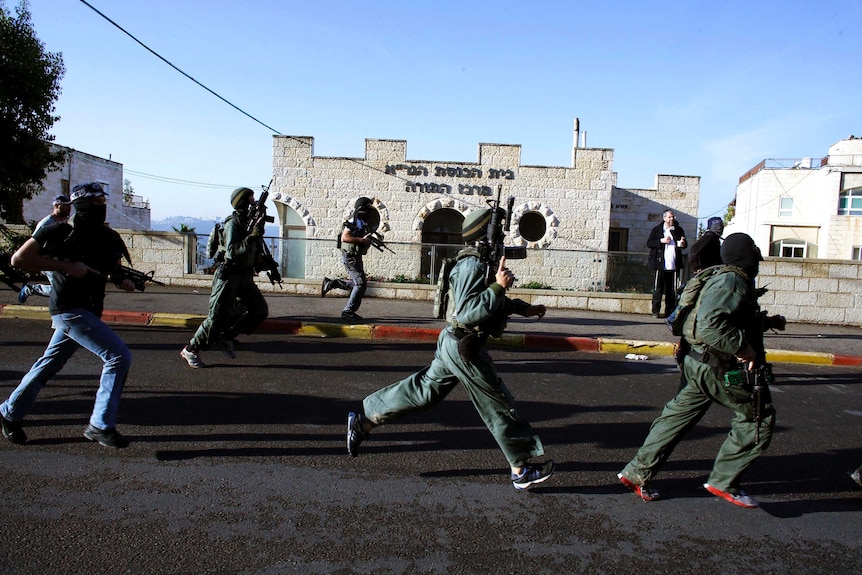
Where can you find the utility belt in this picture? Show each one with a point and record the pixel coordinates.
(230, 268)
(718, 361)
(469, 340)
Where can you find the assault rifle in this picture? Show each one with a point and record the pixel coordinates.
(375, 237)
(257, 217)
(138, 278)
(493, 243)
(758, 381)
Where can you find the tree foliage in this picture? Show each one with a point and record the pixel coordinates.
(29, 86)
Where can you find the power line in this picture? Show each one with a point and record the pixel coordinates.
(157, 55)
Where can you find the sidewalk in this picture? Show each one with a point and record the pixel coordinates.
(576, 330)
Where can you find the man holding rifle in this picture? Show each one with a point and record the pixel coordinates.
(356, 236)
(82, 256)
(233, 282)
(480, 311)
(726, 364)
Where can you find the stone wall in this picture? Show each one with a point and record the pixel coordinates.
(576, 204)
(810, 291)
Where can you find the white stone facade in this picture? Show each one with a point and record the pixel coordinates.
(81, 167)
(573, 208)
(794, 203)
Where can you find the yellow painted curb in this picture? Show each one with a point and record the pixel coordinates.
(508, 340)
(176, 320)
(810, 357)
(635, 346)
(335, 330)
(25, 312)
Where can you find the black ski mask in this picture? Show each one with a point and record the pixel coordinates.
(88, 214)
(740, 250)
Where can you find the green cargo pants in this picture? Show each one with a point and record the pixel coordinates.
(684, 411)
(236, 306)
(429, 386)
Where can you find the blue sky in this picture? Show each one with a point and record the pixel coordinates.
(689, 88)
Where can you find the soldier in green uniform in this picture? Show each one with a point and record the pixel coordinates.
(724, 331)
(480, 311)
(233, 282)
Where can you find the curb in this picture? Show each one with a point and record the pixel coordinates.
(418, 334)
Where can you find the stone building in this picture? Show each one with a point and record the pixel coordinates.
(804, 207)
(568, 218)
(123, 213)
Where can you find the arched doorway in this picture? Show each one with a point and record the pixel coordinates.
(441, 239)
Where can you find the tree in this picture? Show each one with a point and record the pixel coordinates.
(29, 86)
(128, 191)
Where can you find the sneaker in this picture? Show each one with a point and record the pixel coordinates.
(192, 357)
(107, 437)
(740, 498)
(533, 474)
(350, 315)
(12, 431)
(226, 346)
(325, 286)
(857, 477)
(26, 291)
(355, 433)
(641, 491)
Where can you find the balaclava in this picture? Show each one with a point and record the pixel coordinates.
(87, 214)
(740, 250)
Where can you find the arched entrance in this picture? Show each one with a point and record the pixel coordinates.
(441, 239)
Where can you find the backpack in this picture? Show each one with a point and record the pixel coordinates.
(689, 299)
(215, 240)
(441, 296)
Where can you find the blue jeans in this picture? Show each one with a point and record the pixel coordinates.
(78, 328)
(357, 284)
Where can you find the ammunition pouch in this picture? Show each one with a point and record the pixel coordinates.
(469, 341)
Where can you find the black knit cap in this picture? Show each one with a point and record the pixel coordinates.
(740, 250)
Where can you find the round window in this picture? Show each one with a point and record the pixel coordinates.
(532, 226)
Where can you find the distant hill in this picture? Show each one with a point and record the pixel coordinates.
(201, 226)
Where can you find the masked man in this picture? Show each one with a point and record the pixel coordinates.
(353, 241)
(236, 304)
(725, 335)
(480, 311)
(82, 256)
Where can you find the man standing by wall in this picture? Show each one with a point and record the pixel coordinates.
(666, 242)
(233, 280)
(353, 241)
(59, 214)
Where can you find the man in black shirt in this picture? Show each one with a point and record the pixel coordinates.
(83, 256)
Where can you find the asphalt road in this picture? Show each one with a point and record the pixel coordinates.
(242, 468)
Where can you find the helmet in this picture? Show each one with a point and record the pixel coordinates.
(475, 226)
(239, 195)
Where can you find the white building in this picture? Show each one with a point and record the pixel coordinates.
(130, 213)
(804, 207)
(559, 212)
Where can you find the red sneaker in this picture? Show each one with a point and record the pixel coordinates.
(641, 491)
(740, 499)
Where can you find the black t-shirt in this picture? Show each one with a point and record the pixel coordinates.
(100, 248)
